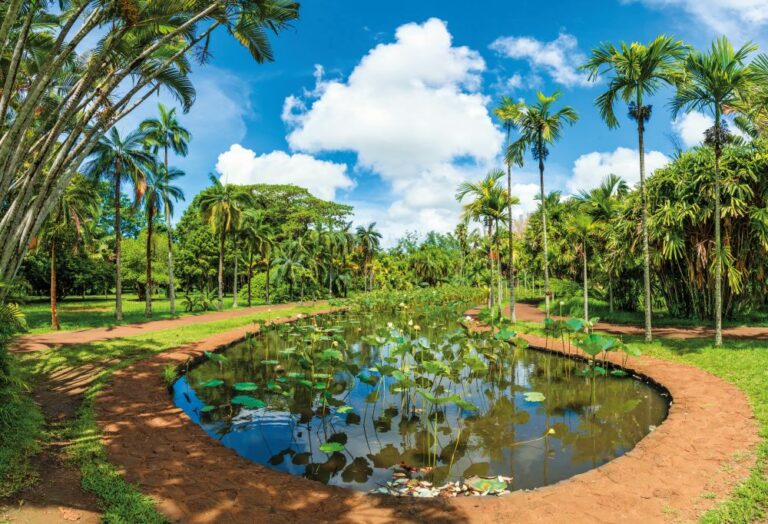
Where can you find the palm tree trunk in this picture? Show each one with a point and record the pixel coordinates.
(54, 299)
(544, 235)
(490, 263)
(610, 293)
(118, 238)
(511, 248)
(250, 274)
(266, 285)
(718, 244)
(586, 287)
(330, 275)
(220, 290)
(168, 227)
(234, 283)
(148, 304)
(500, 294)
(646, 249)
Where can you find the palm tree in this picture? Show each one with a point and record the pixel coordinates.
(167, 134)
(716, 81)
(75, 208)
(290, 264)
(638, 71)
(369, 240)
(158, 196)
(115, 159)
(484, 193)
(539, 128)
(222, 206)
(508, 112)
(582, 226)
(259, 238)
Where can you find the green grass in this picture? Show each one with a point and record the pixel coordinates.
(120, 501)
(92, 311)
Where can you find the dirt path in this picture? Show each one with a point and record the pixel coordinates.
(530, 313)
(686, 466)
(29, 343)
(56, 497)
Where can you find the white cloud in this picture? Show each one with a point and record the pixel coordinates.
(590, 169)
(691, 127)
(412, 113)
(239, 165)
(558, 58)
(733, 17)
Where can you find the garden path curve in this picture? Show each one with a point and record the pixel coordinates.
(694, 459)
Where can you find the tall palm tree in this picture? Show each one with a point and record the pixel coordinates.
(259, 239)
(582, 226)
(540, 127)
(160, 194)
(222, 206)
(508, 112)
(637, 72)
(369, 240)
(483, 194)
(167, 134)
(117, 159)
(75, 208)
(290, 264)
(716, 81)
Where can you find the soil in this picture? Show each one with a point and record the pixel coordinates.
(686, 466)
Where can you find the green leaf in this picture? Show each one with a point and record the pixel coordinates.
(248, 402)
(332, 447)
(505, 334)
(534, 396)
(207, 409)
(491, 484)
(619, 373)
(270, 362)
(245, 386)
(344, 409)
(213, 383)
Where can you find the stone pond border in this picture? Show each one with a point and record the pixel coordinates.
(695, 458)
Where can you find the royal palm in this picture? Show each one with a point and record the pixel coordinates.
(540, 126)
(637, 72)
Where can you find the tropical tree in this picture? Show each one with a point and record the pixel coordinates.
(119, 159)
(581, 227)
(160, 195)
(166, 133)
(259, 239)
(369, 241)
(508, 112)
(716, 81)
(76, 207)
(637, 72)
(222, 206)
(539, 126)
(290, 264)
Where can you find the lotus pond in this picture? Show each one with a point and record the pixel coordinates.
(365, 400)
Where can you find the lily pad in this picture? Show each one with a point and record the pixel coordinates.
(344, 409)
(213, 383)
(248, 402)
(245, 386)
(207, 409)
(534, 396)
(332, 447)
(486, 484)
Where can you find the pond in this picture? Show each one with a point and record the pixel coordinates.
(357, 400)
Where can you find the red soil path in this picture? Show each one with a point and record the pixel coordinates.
(694, 459)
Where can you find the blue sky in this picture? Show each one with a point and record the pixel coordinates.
(385, 105)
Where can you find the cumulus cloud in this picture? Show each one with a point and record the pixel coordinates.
(558, 58)
(323, 179)
(412, 113)
(740, 17)
(590, 169)
(691, 127)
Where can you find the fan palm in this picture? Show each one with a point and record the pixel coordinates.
(166, 133)
(539, 127)
(716, 81)
(638, 71)
(508, 112)
(160, 195)
(222, 206)
(117, 159)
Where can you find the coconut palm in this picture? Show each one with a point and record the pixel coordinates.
(222, 206)
(117, 159)
(78, 206)
(508, 112)
(369, 240)
(716, 81)
(166, 134)
(637, 72)
(539, 127)
(581, 227)
(160, 195)
(259, 239)
(290, 264)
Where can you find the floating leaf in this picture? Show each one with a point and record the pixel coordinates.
(213, 383)
(332, 447)
(207, 409)
(619, 373)
(488, 484)
(248, 402)
(534, 396)
(344, 409)
(245, 386)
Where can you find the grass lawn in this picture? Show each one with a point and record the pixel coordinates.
(120, 501)
(97, 311)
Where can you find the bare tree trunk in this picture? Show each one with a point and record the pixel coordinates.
(646, 248)
(118, 239)
(54, 299)
(718, 244)
(544, 234)
(266, 286)
(150, 228)
(586, 287)
(490, 264)
(511, 247)
(169, 232)
(610, 293)
(234, 284)
(250, 274)
(220, 290)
